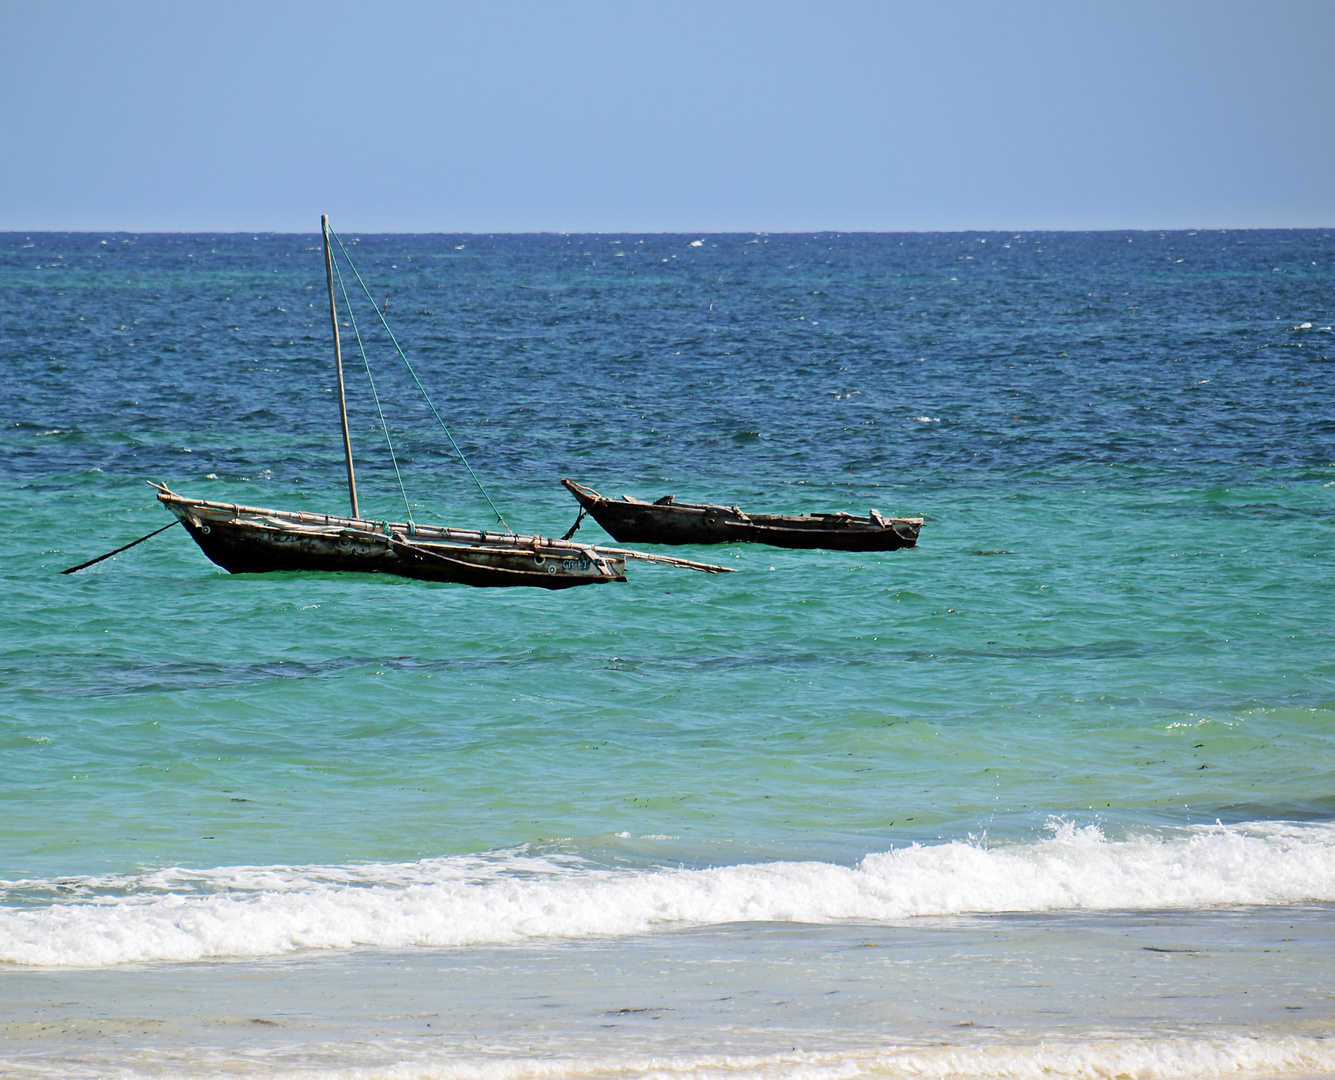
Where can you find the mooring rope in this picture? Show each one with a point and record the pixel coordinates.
(384, 425)
(427, 397)
(123, 547)
(575, 527)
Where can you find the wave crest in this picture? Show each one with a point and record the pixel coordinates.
(258, 911)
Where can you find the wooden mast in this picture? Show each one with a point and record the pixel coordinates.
(338, 363)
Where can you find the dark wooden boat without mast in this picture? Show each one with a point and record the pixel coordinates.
(634, 521)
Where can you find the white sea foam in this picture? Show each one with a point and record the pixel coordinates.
(257, 911)
(1143, 1059)
(1157, 1059)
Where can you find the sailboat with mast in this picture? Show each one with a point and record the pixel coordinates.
(253, 540)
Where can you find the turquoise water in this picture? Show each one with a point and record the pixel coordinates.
(1099, 695)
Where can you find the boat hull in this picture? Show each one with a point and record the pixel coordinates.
(633, 521)
(249, 540)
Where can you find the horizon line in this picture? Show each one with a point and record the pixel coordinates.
(673, 232)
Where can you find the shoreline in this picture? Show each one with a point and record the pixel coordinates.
(1236, 991)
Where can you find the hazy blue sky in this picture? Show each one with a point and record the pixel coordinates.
(673, 116)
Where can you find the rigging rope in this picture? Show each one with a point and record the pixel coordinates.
(347, 305)
(425, 395)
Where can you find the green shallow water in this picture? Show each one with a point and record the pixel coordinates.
(1094, 652)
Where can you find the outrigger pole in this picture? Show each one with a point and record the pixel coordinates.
(338, 363)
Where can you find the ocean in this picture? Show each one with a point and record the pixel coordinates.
(1051, 794)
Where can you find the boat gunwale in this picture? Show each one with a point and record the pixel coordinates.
(238, 511)
(839, 520)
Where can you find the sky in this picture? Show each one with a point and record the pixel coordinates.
(682, 116)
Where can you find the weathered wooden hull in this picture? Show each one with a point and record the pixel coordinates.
(632, 521)
(250, 540)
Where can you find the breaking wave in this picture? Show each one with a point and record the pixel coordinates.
(178, 914)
